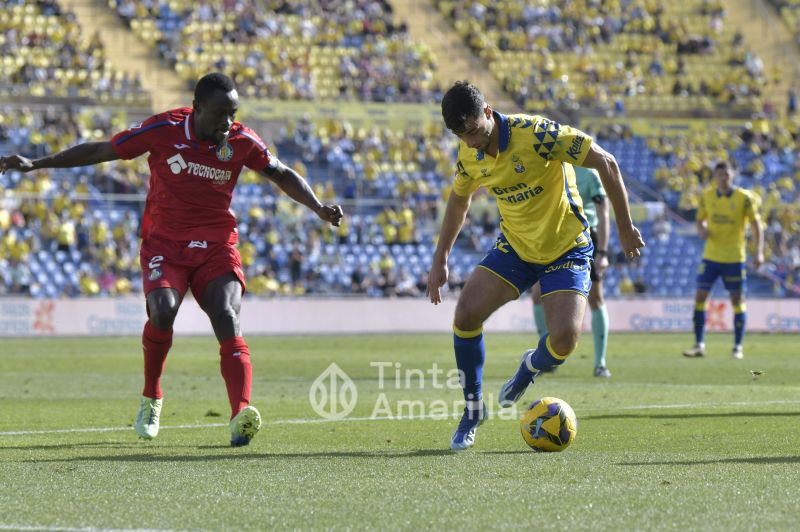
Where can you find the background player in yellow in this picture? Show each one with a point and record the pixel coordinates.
(525, 162)
(595, 207)
(721, 218)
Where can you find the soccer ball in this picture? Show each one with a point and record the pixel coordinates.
(549, 424)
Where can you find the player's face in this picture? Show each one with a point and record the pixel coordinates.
(214, 116)
(724, 178)
(478, 130)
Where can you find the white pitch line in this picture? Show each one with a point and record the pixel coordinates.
(103, 429)
(306, 421)
(5, 526)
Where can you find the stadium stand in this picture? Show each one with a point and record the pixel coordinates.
(290, 50)
(73, 232)
(44, 55)
(613, 57)
(393, 212)
(790, 13)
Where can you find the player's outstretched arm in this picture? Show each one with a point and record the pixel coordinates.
(85, 154)
(297, 188)
(606, 165)
(454, 216)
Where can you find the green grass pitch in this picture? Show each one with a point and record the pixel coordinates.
(666, 443)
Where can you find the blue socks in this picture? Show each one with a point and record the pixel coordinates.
(470, 356)
(544, 357)
(739, 321)
(699, 322)
(599, 331)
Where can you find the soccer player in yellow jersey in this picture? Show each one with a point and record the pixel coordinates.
(593, 197)
(526, 163)
(721, 218)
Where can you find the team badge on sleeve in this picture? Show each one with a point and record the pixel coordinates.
(225, 152)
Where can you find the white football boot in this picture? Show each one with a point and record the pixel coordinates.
(146, 425)
(738, 352)
(699, 350)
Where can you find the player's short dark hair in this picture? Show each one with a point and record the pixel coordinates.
(725, 165)
(462, 101)
(216, 81)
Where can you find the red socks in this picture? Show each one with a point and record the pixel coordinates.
(236, 370)
(234, 365)
(156, 344)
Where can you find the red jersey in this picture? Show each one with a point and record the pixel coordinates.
(191, 181)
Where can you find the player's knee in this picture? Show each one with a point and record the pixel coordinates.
(467, 318)
(564, 342)
(163, 308)
(226, 318)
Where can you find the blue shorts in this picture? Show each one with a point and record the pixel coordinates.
(734, 275)
(569, 272)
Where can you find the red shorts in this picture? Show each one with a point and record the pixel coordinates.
(181, 264)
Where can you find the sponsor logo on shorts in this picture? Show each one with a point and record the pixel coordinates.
(569, 265)
(154, 274)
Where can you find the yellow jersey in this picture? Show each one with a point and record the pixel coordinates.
(726, 215)
(533, 182)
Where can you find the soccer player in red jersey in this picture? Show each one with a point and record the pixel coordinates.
(189, 233)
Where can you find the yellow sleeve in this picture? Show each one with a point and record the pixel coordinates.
(702, 214)
(561, 142)
(464, 184)
(751, 207)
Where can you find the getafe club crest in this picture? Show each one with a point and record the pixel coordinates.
(224, 152)
(518, 166)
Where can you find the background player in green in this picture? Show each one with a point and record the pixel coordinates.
(526, 163)
(721, 219)
(593, 196)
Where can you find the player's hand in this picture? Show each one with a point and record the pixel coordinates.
(15, 162)
(436, 279)
(600, 264)
(331, 213)
(631, 241)
(702, 232)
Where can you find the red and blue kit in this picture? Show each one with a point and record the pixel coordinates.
(188, 230)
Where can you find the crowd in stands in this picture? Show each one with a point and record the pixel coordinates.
(612, 57)
(59, 236)
(63, 235)
(765, 154)
(304, 49)
(790, 13)
(45, 54)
